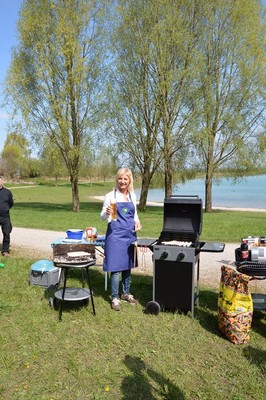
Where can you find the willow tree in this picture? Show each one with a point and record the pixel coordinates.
(134, 114)
(54, 77)
(175, 38)
(230, 85)
(16, 154)
(153, 54)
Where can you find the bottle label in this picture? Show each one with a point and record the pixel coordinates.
(244, 254)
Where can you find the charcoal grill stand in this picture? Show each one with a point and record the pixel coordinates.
(75, 294)
(258, 271)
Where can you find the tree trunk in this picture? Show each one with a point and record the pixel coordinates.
(208, 191)
(145, 183)
(168, 177)
(75, 193)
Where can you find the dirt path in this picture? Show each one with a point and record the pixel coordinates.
(37, 244)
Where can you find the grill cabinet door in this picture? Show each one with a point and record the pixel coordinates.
(173, 283)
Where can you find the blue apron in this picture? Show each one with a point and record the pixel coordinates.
(119, 254)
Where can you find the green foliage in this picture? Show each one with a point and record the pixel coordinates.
(34, 168)
(52, 161)
(16, 155)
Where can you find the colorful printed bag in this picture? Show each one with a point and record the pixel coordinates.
(235, 306)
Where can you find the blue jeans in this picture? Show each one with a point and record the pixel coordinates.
(115, 278)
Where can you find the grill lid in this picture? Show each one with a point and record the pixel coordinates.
(182, 218)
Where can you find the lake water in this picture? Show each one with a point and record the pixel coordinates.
(250, 192)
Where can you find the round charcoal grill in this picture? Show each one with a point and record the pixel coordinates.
(251, 268)
(74, 256)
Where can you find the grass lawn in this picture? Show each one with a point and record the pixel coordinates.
(128, 355)
(49, 207)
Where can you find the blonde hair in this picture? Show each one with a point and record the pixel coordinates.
(128, 173)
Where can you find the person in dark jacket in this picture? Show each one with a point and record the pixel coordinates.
(6, 202)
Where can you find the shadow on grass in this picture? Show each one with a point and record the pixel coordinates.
(256, 357)
(259, 322)
(97, 280)
(142, 288)
(206, 312)
(55, 207)
(137, 385)
(141, 285)
(68, 185)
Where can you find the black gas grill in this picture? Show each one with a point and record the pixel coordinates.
(176, 255)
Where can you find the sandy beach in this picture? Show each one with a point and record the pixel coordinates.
(160, 204)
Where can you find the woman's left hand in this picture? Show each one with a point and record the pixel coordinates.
(138, 226)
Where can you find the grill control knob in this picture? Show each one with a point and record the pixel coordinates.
(164, 255)
(180, 257)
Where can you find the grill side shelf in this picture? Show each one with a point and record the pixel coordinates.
(211, 247)
(147, 242)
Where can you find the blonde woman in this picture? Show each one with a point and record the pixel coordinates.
(120, 234)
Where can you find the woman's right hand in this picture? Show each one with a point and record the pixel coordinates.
(109, 210)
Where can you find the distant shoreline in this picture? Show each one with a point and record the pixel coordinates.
(160, 204)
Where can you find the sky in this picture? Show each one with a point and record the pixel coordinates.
(9, 14)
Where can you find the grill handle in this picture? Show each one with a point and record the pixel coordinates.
(185, 196)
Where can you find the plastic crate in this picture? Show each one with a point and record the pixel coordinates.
(44, 273)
